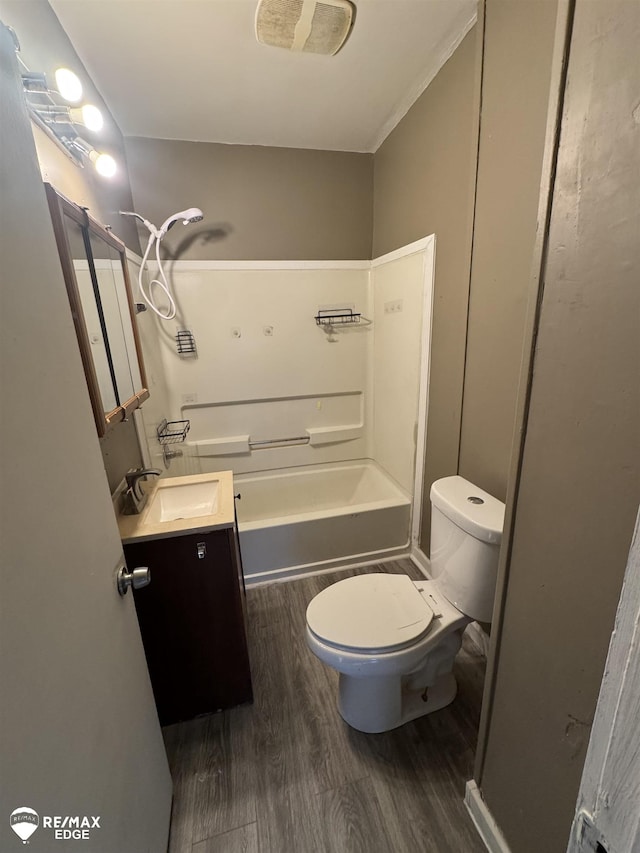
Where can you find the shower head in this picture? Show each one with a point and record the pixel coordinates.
(192, 214)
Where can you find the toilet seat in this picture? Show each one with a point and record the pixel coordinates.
(370, 613)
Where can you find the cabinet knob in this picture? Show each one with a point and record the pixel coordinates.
(138, 578)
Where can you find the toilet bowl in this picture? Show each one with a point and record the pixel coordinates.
(392, 640)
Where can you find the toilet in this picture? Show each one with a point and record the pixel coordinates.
(394, 640)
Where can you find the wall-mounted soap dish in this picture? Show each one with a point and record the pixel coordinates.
(172, 432)
(337, 317)
(186, 343)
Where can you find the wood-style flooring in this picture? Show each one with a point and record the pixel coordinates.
(287, 775)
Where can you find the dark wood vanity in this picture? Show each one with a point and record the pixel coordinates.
(193, 623)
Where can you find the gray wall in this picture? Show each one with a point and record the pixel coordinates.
(79, 733)
(424, 177)
(425, 181)
(578, 492)
(515, 92)
(259, 203)
(580, 479)
(44, 47)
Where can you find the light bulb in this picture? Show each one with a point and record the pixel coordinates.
(69, 85)
(92, 117)
(104, 163)
(88, 116)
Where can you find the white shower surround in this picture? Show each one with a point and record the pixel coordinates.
(249, 372)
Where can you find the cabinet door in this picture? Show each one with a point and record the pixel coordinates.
(192, 624)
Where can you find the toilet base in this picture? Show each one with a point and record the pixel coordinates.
(374, 705)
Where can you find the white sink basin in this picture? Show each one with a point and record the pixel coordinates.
(191, 500)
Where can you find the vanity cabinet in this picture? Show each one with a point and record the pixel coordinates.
(192, 621)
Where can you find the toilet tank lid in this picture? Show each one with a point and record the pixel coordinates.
(471, 508)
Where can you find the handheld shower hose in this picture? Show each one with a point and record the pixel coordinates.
(192, 214)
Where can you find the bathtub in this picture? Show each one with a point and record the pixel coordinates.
(300, 520)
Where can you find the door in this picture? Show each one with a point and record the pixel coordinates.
(608, 813)
(82, 763)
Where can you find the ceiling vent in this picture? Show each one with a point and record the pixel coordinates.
(305, 26)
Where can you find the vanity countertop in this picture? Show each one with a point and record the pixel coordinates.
(138, 528)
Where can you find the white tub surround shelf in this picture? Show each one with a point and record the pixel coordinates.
(226, 446)
(217, 514)
(314, 436)
(280, 431)
(331, 434)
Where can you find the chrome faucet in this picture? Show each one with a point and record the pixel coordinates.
(135, 498)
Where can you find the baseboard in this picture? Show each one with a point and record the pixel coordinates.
(484, 821)
(420, 559)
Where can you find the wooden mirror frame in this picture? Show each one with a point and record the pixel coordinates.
(59, 207)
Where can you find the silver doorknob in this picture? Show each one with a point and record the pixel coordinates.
(137, 578)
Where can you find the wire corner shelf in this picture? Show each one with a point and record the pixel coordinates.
(337, 317)
(172, 432)
(186, 342)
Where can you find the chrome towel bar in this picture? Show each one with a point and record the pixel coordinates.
(277, 442)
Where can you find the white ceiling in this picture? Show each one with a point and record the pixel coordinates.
(192, 69)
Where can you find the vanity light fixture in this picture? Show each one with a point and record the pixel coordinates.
(60, 121)
(34, 81)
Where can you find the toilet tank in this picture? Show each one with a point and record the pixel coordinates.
(466, 531)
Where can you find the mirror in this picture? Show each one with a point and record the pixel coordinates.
(95, 270)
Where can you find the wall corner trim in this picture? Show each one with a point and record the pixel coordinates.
(412, 95)
(421, 561)
(410, 249)
(483, 820)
